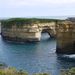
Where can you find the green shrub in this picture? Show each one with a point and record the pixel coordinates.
(41, 74)
(1, 64)
(68, 72)
(12, 71)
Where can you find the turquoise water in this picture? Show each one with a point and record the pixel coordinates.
(35, 57)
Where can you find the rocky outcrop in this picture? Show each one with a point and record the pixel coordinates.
(26, 31)
(65, 37)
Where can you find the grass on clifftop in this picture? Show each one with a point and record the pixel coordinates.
(31, 20)
(25, 21)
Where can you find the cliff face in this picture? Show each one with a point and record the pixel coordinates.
(21, 29)
(24, 32)
(66, 37)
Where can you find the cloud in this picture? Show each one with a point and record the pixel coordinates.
(36, 7)
(18, 3)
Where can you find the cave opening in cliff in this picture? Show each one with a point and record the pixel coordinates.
(45, 34)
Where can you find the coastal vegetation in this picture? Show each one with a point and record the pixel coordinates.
(68, 71)
(30, 20)
(25, 21)
(13, 71)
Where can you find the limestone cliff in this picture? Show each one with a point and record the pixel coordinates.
(21, 30)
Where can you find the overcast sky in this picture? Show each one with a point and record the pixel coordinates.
(24, 8)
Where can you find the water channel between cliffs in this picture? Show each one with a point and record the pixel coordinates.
(35, 57)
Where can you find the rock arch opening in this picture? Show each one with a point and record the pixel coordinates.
(49, 32)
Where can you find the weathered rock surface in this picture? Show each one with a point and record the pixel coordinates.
(29, 32)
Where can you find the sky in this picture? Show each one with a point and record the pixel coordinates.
(31, 8)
